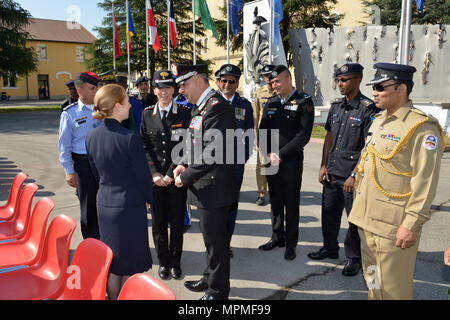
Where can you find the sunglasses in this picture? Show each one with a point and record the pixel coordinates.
(380, 88)
(345, 80)
(225, 81)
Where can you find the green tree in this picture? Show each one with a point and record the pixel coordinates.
(434, 11)
(101, 50)
(15, 58)
(296, 14)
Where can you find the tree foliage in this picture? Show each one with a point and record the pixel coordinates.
(296, 14)
(434, 11)
(15, 57)
(102, 49)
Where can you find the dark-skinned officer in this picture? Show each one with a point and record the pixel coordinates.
(210, 179)
(347, 126)
(292, 114)
(158, 129)
(73, 94)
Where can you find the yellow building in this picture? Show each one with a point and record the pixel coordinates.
(61, 50)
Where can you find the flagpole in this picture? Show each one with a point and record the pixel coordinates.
(228, 31)
(114, 38)
(401, 32)
(128, 46)
(193, 23)
(168, 35)
(146, 32)
(407, 32)
(271, 32)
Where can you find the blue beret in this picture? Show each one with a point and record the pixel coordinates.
(140, 80)
(70, 83)
(388, 71)
(267, 69)
(349, 68)
(277, 71)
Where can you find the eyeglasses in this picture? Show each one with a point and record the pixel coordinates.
(380, 88)
(345, 80)
(225, 81)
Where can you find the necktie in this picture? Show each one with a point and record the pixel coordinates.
(164, 120)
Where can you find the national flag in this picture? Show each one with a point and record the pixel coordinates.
(419, 5)
(277, 17)
(117, 52)
(202, 10)
(130, 29)
(235, 6)
(154, 38)
(172, 25)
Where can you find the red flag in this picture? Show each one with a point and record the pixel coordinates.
(116, 39)
(172, 25)
(154, 38)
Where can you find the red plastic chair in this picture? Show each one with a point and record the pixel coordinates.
(89, 272)
(15, 229)
(143, 287)
(28, 249)
(47, 278)
(7, 211)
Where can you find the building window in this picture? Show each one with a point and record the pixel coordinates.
(80, 56)
(42, 51)
(205, 45)
(9, 81)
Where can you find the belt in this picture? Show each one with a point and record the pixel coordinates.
(78, 156)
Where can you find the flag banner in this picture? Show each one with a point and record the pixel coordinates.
(172, 25)
(277, 17)
(202, 10)
(130, 29)
(235, 6)
(419, 4)
(117, 52)
(153, 34)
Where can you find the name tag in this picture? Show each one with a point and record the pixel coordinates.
(291, 108)
(196, 123)
(355, 119)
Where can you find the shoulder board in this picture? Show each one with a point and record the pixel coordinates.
(149, 108)
(337, 100)
(367, 102)
(213, 101)
(376, 115)
(418, 111)
(70, 106)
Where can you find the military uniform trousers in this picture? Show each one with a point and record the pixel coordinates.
(261, 180)
(169, 205)
(87, 189)
(213, 222)
(284, 192)
(334, 200)
(240, 168)
(388, 270)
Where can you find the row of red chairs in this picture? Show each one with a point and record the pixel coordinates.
(34, 261)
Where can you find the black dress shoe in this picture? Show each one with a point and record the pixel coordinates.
(323, 254)
(289, 254)
(260, 201)
(163, 273)
(351, 268)
(271, 245)
(196, 286)
(175, 273)
(186, 228)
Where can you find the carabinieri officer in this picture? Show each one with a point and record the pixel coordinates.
(76, 122)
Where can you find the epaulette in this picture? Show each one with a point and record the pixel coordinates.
(70, 106)
(367, 102)
(418, 111)
(213, 101)
(338, 100)
(149, 108)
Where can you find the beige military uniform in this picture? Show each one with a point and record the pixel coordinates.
(396, 183)
(260, 98)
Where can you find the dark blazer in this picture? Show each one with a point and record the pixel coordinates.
(210, 184)
(244, 120)
(158, 142)
(118, 163)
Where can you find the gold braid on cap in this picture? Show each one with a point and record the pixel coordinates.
(374, 154)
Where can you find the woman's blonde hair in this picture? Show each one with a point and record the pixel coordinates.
(105, 100)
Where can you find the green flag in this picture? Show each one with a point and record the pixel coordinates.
(201, 10)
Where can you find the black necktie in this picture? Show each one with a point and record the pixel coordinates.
(164, 120)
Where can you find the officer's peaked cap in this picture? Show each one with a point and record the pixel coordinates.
(349, 68)
(184, 72)
(229, 69)
(163, 79)
(392, 71)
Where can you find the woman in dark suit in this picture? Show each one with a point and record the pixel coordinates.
(118, 162)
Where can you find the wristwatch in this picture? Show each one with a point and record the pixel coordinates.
(353, 175)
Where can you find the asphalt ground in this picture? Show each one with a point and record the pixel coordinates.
(28, 143)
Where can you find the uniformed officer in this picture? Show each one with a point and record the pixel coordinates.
(347, 125)
(211, 181)
(159, 124)
(73, 94)
(261, 96)
(76, 122)
(292, 114)
(147, 98)
(396, 182)
(229, 76)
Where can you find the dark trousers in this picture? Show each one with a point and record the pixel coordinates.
(334, 200)
(168, 200)
(234, 207)
(87, 189)
(213, 224)
(284, 191)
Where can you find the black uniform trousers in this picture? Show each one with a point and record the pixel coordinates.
(169, 204)
(87, 189)
(334, 200)
(213, 224)
(284, 191)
